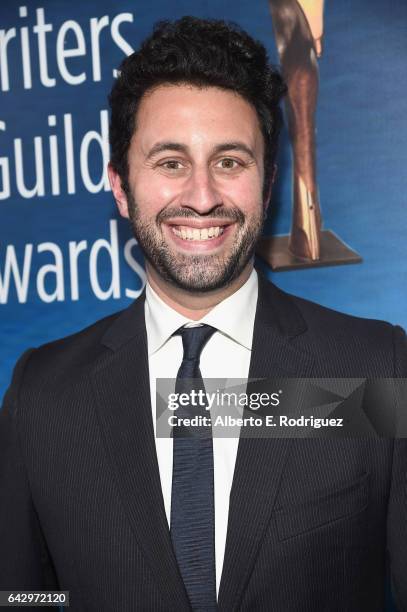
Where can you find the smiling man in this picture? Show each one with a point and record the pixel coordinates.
(194, 193)
(92, 501)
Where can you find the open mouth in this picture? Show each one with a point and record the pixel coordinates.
(197, 234)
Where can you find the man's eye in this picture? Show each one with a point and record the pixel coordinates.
(172, 164)
(228, 164)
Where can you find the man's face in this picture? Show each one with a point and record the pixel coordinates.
(195, 184)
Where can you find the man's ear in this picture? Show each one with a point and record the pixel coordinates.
(118, 192)
(267, 198)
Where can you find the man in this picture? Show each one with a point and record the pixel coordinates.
(91, 501)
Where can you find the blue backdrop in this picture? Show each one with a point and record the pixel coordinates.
(66, 259)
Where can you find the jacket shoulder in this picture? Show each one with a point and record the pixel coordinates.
(320, 317)
(60, 361)
(352, 339)
(80, 347)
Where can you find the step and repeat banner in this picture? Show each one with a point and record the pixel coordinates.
(67, 259)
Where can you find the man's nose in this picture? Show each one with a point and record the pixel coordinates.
(200, 192)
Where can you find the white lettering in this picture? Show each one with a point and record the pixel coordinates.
(135, 266)
(41, 29)
(38, 189)
(63, 52)
(5, 37)
(70, 165)
(5, 171)
(102, 140)
(96, 26)
(56, 268)
(25, 51)
(11, 268)
(112, 249)
(75, 248)
(118, 38)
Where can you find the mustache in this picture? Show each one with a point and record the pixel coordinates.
(225, 214)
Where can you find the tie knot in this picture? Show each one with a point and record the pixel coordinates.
(194, 339)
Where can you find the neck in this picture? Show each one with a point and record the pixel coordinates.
(194, 306)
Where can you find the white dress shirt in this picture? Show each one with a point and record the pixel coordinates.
(226, 355)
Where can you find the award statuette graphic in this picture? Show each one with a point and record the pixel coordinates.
(298, 28)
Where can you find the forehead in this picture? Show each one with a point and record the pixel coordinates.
(196, 115)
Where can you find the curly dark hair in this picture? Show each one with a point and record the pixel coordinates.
(203, 53)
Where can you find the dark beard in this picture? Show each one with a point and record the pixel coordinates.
(196, 273)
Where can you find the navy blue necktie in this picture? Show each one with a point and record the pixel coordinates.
(192, 497)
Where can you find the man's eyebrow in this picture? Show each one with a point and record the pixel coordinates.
(159, 147)
(233, 146)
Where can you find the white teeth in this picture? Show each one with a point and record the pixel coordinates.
(193, 233)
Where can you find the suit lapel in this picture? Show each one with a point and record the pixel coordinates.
(121, 386)
(260, 462)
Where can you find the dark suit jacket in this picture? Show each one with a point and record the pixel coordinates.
(311, 522)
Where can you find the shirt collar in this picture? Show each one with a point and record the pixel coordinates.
(233, 317)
